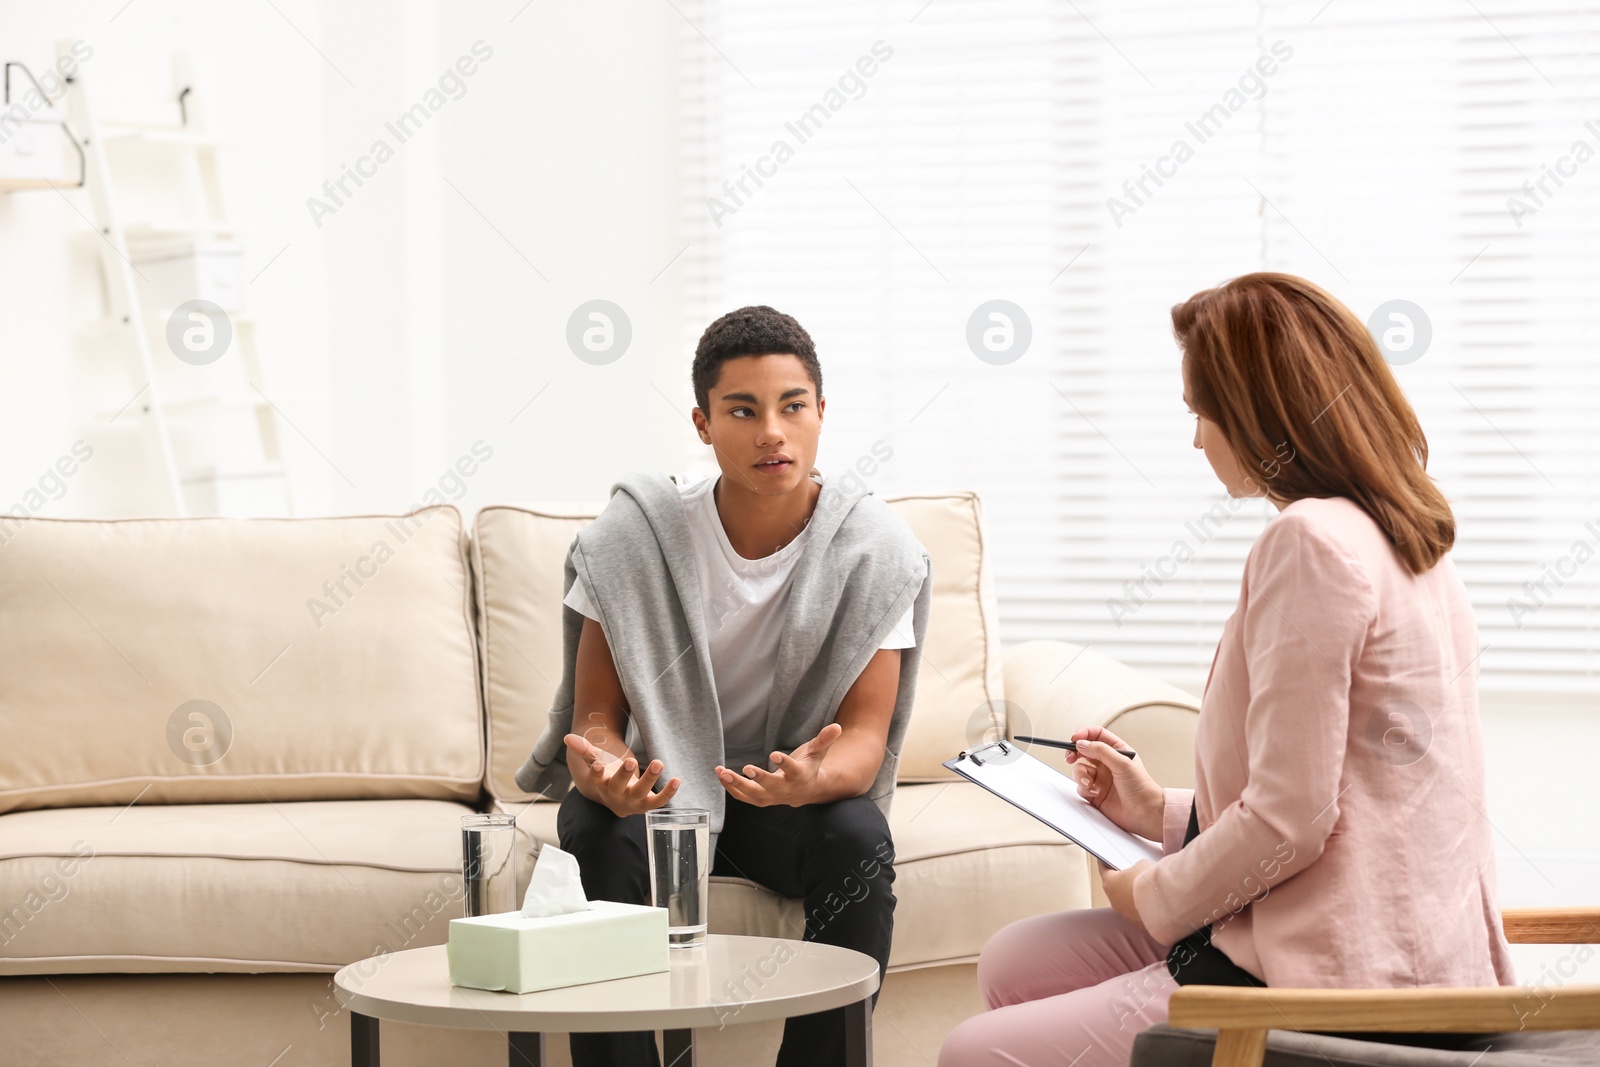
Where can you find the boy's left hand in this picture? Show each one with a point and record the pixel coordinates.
(1119, 888)
(795, 780)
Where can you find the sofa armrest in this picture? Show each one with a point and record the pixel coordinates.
(1242, 1016)
(1054, 689)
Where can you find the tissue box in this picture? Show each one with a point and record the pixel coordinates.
(516, 954)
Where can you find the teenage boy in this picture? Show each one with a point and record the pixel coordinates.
(748, 643)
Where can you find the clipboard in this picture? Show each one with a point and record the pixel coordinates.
(1014, 776)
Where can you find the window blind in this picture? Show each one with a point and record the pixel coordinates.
(887, 172)
(1401, 147)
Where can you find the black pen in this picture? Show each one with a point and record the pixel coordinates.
(1070, 746)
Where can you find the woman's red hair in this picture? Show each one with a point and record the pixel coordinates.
(1274, 360)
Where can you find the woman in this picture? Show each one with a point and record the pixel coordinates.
(1338, 838)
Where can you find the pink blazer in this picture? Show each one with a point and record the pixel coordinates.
(1339, 773)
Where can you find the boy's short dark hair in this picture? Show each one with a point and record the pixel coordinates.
(750, 331)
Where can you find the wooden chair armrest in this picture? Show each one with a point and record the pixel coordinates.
(1552, 926)
(1243, 1015)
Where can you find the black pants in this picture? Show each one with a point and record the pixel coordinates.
(836, 857)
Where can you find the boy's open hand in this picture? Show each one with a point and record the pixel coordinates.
(617, 783)
(795, 780)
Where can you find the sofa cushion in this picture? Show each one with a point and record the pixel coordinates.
(960, 688)
(966, 864)
(517, 560)
(306, 886)
(518, 555)
(222, 660)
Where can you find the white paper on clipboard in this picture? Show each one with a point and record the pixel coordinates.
(1051, 797)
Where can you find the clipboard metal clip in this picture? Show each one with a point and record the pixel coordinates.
(1005, 750)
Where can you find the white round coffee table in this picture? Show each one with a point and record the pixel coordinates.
(728, 980)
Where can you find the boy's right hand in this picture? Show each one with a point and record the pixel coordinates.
(616, 782)
(1120, 787)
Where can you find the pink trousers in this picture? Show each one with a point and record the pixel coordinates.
(1070, 989)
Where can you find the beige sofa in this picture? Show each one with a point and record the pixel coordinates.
(236, 753)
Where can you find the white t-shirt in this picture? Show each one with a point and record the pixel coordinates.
(746, 601)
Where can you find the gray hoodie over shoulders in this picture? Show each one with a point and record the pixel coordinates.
(860, 571)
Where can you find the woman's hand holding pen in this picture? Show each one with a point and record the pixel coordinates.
(1120, 787)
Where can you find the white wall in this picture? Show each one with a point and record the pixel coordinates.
(1541, 754)
(570, 152)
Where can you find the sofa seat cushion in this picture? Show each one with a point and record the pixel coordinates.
(306, 886)
(967, 863)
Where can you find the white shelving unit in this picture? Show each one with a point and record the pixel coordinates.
(213, 434)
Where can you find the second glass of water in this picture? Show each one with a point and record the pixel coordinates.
(680, 870)
(489, 863)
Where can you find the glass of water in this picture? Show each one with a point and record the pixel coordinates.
(680, 870)
(489, 863)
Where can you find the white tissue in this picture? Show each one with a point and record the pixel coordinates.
(556, 888)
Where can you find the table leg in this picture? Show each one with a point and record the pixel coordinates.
(525, 1050)
(858, 1033)
(363, 1040)
(677, 1047)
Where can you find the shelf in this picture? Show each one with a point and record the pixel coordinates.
(13, 184)
(102, 328)
(145, 234)
(127, 122)
(198, 405)
(215, 439)
(168, 230)
(172, 136)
